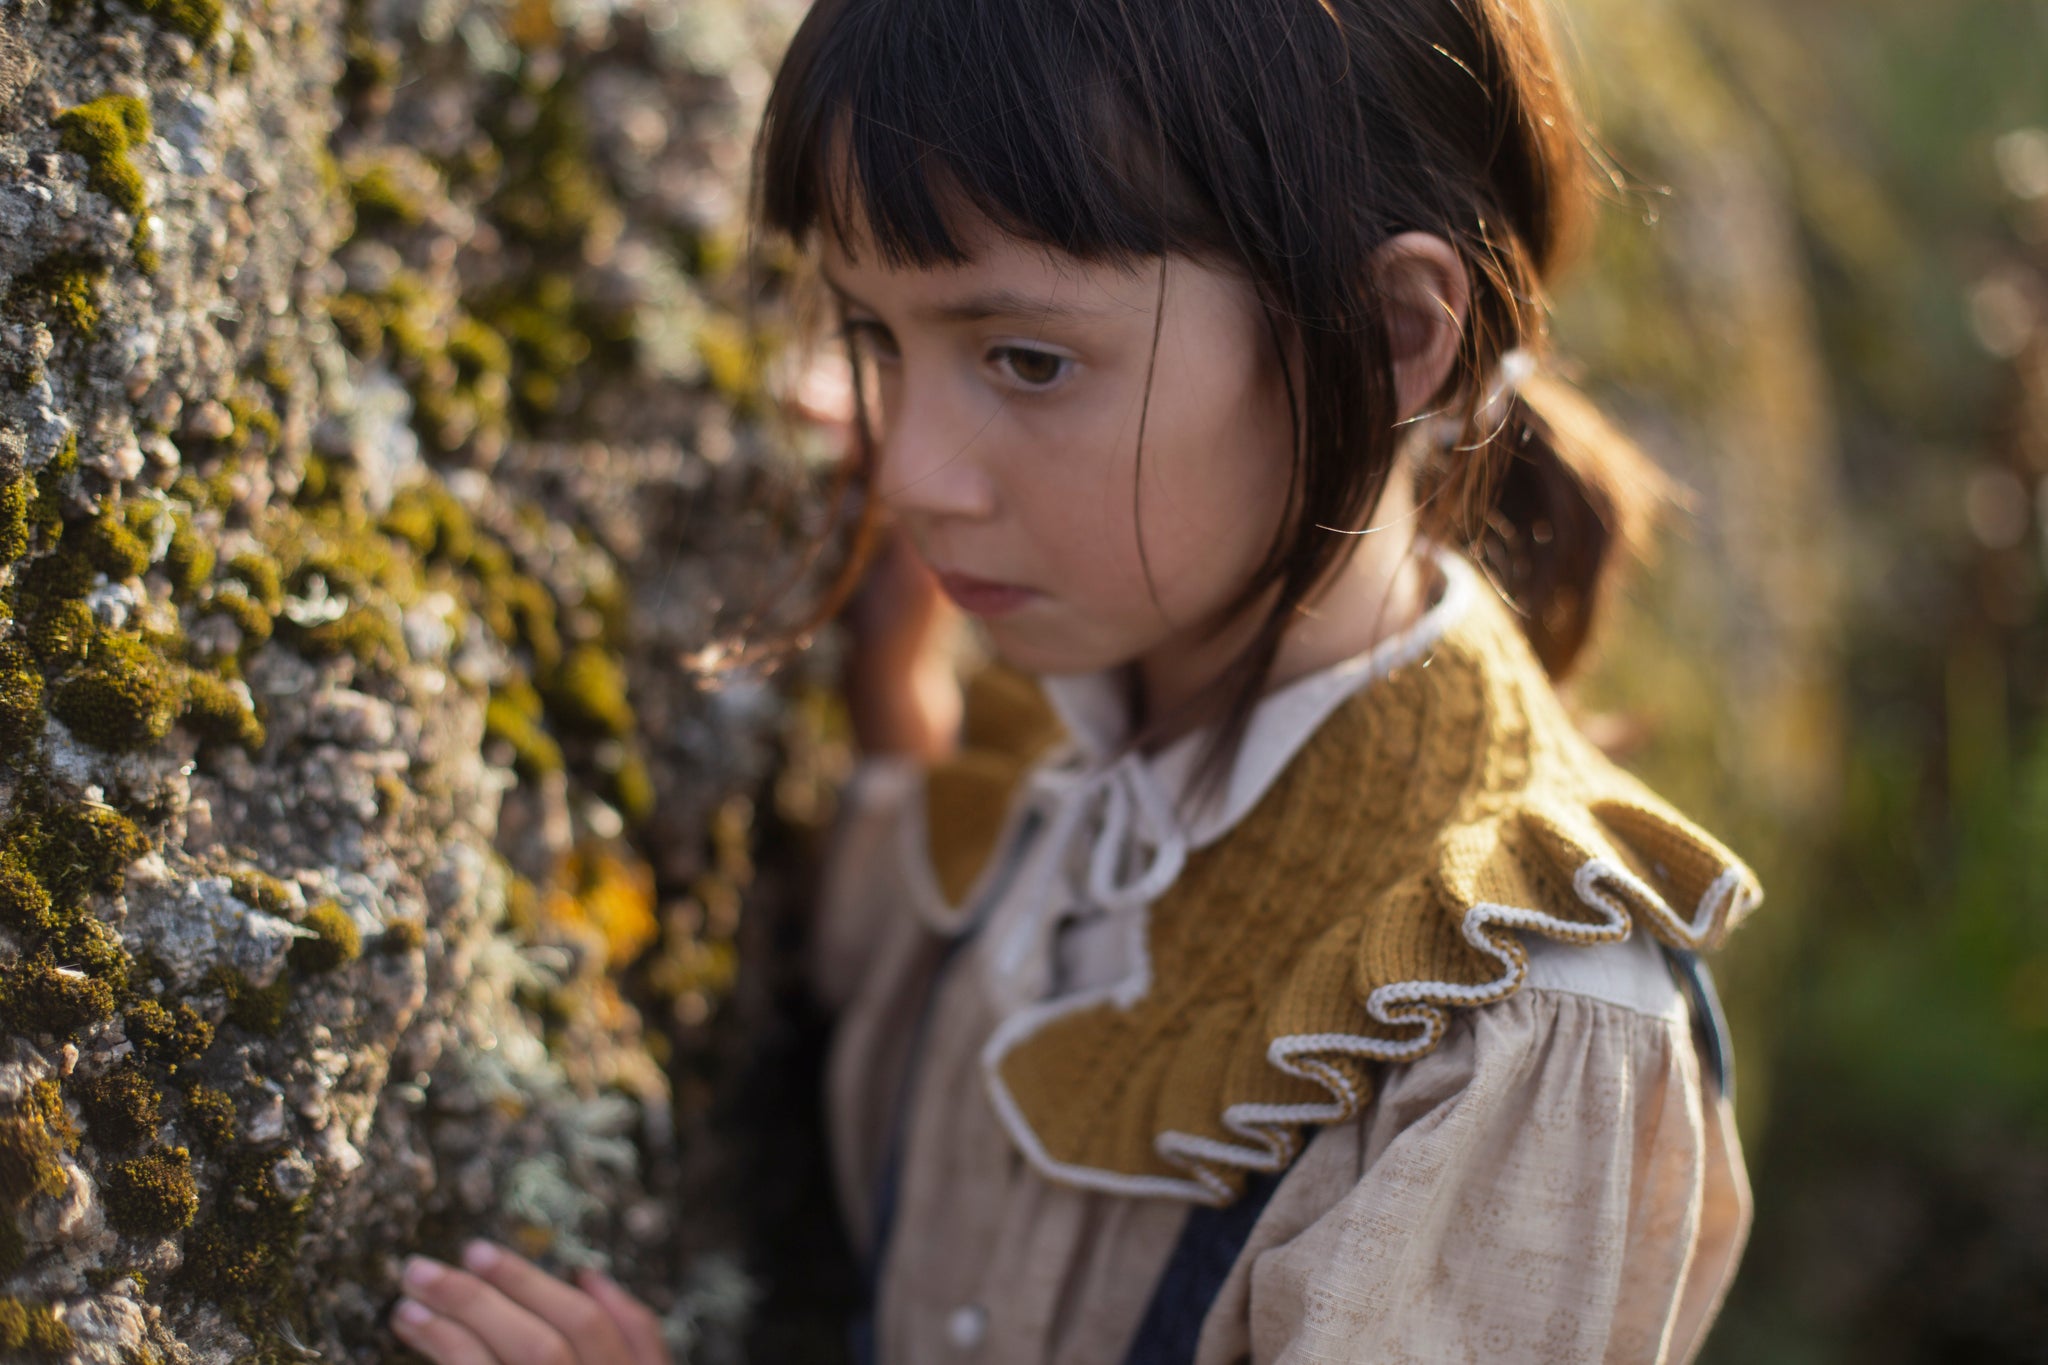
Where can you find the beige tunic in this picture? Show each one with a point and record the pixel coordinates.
(1553, 1182)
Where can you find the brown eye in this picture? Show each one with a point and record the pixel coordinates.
(1034, 369)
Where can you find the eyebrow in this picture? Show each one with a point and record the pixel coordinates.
(989, 303)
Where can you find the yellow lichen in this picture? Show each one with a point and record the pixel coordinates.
(602, 888)
(336, 943)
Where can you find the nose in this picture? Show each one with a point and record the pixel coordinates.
(931, 457)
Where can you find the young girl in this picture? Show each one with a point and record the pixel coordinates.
(1259, 965)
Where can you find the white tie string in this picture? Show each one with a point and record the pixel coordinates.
(1137, 824)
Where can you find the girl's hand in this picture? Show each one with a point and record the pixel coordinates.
(504, 1310)
(900, 685)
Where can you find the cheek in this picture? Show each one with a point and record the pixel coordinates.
(1215, 487)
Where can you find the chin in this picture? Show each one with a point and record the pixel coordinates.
(1041, 656)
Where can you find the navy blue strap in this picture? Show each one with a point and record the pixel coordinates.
(1210, 1242)
(861, 1334)
(1709, 1024)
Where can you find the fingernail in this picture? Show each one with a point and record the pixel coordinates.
(481, 1255)
(422, 1271)
(413, 1314)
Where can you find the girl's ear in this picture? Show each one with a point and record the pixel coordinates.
(1426, 294)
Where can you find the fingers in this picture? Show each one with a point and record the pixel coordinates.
(441, 1340)
(514, 1328)
(635, 1320)
(579, 1318)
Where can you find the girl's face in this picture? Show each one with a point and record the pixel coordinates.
(1006, 397)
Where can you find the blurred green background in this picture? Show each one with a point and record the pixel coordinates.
(1820, 297)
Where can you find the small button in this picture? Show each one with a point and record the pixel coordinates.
(967, 1325)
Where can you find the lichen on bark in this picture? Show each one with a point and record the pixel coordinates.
(374, 441)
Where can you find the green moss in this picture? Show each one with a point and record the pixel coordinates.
(431, 520)
(253, 421)
(102, 131)
(632, 790)
(242, 1258)
(62, 633)
(242, 56)
(47, 511)
(534, 752)
(74, 850)
(365, 634)
(530, 607)
(40, 998)
(588, 693)
(189, 559)
(338, 941)
(28, 1162)
(253, 886)
(198, 20)
(21, 701)
(24, 904)
(142, 242)
(15, 496)
(367, 65)
(210, 1115)
(251, 618)
(216, 712)
(478, 350)
(122, 1108)
(170, 1038)
(359, 321)
(152, 1195)
(402, 936)
(125, 697)
(258, 573)
(142, 516)
(109, 546)
(63, 285)
(259, 1009)
(34, 1329)
(381, 201)
(83, 941)
(13, 1254)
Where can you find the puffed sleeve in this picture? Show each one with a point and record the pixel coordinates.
(862, 881)
(1552, 1183)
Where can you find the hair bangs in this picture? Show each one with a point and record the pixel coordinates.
(900, 123)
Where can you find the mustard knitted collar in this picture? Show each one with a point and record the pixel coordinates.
(1378, 884)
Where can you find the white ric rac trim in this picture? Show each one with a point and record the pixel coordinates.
(1268, 1132)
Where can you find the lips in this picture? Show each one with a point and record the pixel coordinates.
(984, 597)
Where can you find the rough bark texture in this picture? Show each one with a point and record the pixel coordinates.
(374, 447)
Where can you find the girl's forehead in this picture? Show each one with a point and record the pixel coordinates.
(1000, 267)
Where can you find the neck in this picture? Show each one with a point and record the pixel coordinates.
(1378, 591)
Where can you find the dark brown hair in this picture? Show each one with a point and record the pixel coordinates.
(1285, 139)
